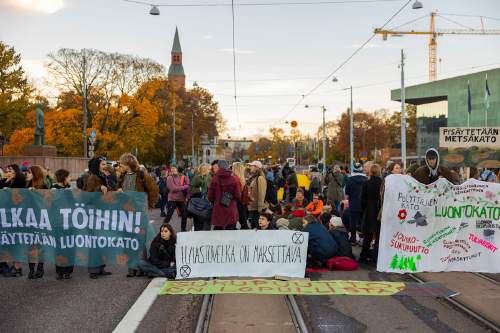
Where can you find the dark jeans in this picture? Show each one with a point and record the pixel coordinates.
(172, 205)
(64, 270)
(227, 227)
(292, 192)
(163, 203)
(96, 270)
(253, 218)
(354, 223)
(243, 215)
(148, 267)
(201, 224)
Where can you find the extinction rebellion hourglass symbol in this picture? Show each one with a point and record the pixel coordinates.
(297, 238)
(185, 271)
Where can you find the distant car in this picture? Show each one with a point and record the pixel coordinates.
(291, 162)
(313, 168)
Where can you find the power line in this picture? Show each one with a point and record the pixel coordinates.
(345, 61)
(234, 68)
(468, 15)
(261, 4)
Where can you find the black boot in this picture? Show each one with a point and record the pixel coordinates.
(15, 272)
(39, 271)
(31, 274)
(131, 272)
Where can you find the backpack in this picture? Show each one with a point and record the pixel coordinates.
(271, 194)
(342, 264)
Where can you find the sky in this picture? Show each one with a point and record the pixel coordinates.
(282, 52)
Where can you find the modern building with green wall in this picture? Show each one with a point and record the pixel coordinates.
(443, 103)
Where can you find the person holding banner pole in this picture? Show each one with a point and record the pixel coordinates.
(14, 178)
(62, 183)
(97, 182)
(35, 179)
(138, 180)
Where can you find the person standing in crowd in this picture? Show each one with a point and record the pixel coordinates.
(353, 193)
(224, 192)
(315, 207)
(136, 179)
(286, 171)
(258, 186)
(242, 203)
(371, 205)
(162, 186)
(36, 181)
(161, 260)
(394, 168)
(334, 181)
(266, 222)
(111, 177)
(178, 186)
(198, 188)
(292, 183)
(315, 187)
(63, 183)
(97, 182)
(432, 171)
(14, 178)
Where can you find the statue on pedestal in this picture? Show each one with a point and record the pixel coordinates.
(40, 127)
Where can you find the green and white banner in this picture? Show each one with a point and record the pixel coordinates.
(72, 227)
(439, 227)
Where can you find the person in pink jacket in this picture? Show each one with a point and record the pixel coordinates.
(177, 185)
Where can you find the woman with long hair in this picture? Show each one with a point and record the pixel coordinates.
(371, 203)
(36, 181)
(198, 188)
(239, 170)
(161, 260)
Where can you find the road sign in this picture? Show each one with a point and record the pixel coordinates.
(91, 140)
(93, 134)
(91, 153)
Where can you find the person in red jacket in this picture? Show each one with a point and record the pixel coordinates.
(223, 193)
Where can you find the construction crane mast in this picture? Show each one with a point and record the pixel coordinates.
(433, 33)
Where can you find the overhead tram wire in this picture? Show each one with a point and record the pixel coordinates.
(469, 15)
(234, 70)
(343, 63)
(261, 4)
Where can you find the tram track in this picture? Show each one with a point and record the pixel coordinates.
(463, 307)
(488, 278)
(204, 317)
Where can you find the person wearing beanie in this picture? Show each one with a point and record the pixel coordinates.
(353, 193)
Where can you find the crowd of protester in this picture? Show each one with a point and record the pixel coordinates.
(340, 210)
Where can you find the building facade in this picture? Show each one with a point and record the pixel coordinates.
(444, 103)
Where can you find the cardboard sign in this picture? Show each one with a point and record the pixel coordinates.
(273, 287)
(241, 253)
(466, 137)
(439, 227)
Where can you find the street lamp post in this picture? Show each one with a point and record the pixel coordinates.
(84, 91)
(195, 85)
(403, 112)
(323, 109)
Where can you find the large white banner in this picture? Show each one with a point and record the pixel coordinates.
(439, 227)
(241, 253)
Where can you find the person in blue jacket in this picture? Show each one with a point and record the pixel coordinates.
(321, 246)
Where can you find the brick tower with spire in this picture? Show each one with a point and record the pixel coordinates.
(176, 70)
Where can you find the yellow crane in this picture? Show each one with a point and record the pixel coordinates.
(433, 33)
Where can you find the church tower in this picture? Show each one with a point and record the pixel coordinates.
(176, 71)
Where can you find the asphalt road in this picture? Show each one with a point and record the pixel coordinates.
(80, 304)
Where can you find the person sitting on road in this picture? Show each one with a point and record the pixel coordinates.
(161, 261)
(299, 204)
(339, 233)
(321, 246)
(315, 207)
(266, 222)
